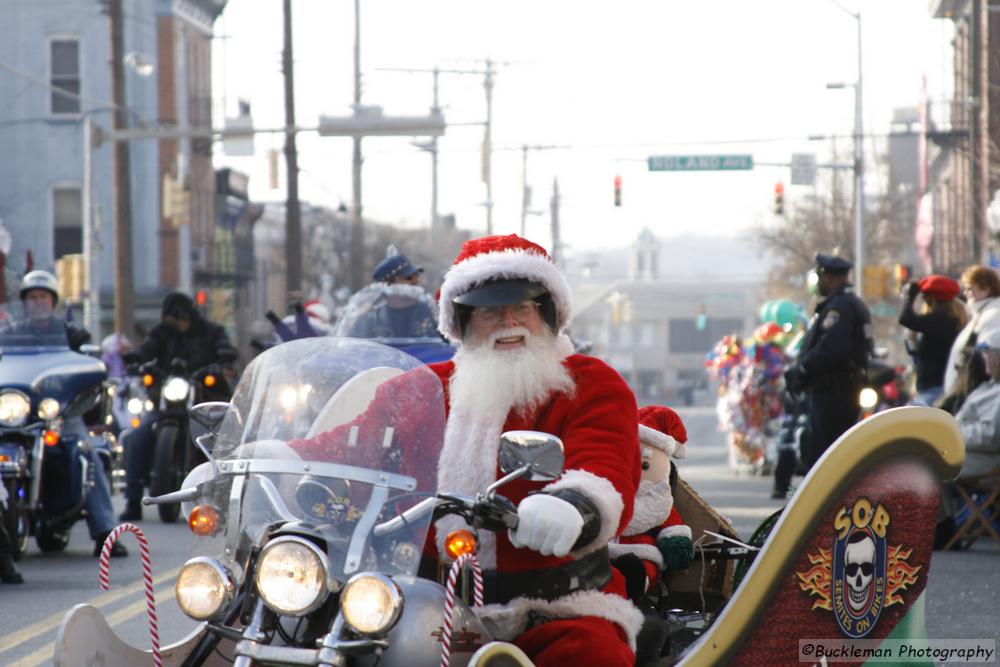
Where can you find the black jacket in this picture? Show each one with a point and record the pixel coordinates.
(203, 344)
(838, 344)
(937, 330)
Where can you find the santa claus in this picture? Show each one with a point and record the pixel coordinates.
(549, 584)
(656, 538)
(553, 591)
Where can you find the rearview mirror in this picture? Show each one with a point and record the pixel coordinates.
(206, 419)
(541, 453)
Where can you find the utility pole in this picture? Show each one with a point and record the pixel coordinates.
(859, 177)
(124, 287)
(293, 215)
(432, 145)
(525, 189)
(357, 222)
(488, 146)
(554, 219)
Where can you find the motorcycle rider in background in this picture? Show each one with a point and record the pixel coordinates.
(181, 334)
(39, 295)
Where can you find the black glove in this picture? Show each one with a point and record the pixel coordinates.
(634, 572)
(912, 290)
(794, 378)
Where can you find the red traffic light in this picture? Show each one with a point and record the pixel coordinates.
(618, 190)
(779, 188)
(779, 198)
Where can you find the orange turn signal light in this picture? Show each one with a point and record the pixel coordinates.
(460, 542)
(50, 438)
(135, 422)
(147, 380)
(203, 520)
(209, 380)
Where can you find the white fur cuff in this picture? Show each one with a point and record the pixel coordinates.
(674, 531)
(605, 498)
(510, 620)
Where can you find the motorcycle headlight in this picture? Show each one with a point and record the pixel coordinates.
(14, 408)
(371, 603)
(868, 398)
(204, 588)
(134, 406)
(48, 409)
(291, 576)
(176, 389)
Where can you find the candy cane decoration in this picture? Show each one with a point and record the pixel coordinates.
(449, 599)
(147, 576)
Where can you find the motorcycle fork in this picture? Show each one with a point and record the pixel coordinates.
(37, 454)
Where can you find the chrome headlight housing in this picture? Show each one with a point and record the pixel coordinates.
(176, 389)
(371, 603)
(204, 588)
(291, 576)
(14, 408)
(48, 409)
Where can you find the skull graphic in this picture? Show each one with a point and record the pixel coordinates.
(859, 558)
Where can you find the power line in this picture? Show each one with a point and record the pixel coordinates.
(103, 104)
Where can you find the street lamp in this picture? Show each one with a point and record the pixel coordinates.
(859, 165)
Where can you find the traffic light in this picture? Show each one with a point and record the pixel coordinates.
(779, 198)
(618, 190)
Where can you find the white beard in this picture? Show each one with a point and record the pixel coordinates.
(653, 502)
(485, 387)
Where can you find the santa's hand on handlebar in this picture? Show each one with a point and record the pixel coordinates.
(546, 524)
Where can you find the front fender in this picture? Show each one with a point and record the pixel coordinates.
(85, 638)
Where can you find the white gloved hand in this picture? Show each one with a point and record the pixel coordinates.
(546, 524)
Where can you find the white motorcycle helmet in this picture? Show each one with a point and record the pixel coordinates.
(40, 280)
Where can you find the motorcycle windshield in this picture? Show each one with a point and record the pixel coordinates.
(33, 336)
(328, 437)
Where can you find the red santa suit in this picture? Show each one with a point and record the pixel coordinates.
(654, 519)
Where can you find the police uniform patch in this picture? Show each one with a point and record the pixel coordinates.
(830, 319)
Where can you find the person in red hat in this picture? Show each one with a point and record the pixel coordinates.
(656, 539)
(549, 585)
(932, 331)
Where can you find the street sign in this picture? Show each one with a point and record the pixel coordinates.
(700, 162)
(803, 168)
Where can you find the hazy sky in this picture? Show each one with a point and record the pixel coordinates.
(611, 82)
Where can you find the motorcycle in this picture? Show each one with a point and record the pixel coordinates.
(174, 454)
(48, 393)
(309, 521)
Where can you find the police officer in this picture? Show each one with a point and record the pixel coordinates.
(831, 366)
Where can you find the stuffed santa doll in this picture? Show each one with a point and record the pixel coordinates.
(656, 538)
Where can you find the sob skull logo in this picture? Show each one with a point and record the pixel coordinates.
(861, 574)
(859, 555)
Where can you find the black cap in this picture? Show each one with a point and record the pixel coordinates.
(397, 266)
(179, 305)
(500, 293)
(832, 264)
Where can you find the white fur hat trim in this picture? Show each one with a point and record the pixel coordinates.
(506, 264)
(661, 441)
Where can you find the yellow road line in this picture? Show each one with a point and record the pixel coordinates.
(29, 632)
(45, 653)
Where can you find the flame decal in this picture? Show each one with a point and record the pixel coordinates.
(899, 574)
(818, 579)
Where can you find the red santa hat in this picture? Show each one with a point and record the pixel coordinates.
(500, 258)
(662, 428)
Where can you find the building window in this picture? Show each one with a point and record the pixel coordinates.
(67, 219)
(65, 60)
(647, 334)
